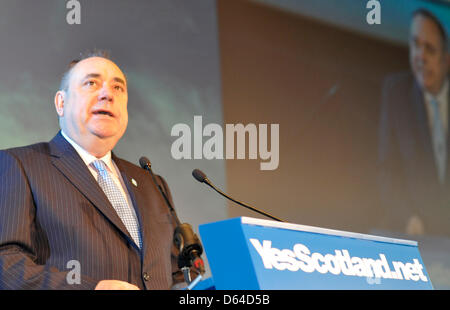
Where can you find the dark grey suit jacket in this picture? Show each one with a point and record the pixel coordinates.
(52, 211)
(407, 173)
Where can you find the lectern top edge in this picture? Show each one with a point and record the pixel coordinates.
(326, 231)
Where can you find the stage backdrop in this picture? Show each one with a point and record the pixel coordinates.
(317, 69)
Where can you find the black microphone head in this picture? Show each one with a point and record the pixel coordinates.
(199, 175)
(145, 162)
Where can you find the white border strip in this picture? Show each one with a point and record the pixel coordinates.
(326, 231)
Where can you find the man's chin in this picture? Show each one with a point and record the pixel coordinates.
(430, 87)
(423, 83)
(105, 134)
(427, 83)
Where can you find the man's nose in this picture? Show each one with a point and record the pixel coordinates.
(105, 93)
(421, 54)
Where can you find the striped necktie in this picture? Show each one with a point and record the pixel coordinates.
(118, 201)
(439, 143)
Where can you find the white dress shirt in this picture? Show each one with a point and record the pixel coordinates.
(442, 102)
(112, 168)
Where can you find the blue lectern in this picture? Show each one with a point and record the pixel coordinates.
(253, 254)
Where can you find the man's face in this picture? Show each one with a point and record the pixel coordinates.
(95, 104)
(427, 54)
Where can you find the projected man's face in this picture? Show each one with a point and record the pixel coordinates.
(427, 54)
(94, 108)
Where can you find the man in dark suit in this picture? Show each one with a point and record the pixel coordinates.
(414, 154)
(71, 206)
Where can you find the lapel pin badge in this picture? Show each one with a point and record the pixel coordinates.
(133, 181)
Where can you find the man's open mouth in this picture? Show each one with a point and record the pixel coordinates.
(103, 112)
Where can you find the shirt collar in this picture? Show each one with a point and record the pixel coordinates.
(441, 96)
(86, 156)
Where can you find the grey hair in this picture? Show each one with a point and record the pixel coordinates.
(64, 84)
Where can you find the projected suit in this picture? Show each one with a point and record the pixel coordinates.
(408, 173)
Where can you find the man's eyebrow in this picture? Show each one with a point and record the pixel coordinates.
(92, 75)
(97, 75)
(119, 80)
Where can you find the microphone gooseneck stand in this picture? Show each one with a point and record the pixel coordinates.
(201, 177)
(187, 242)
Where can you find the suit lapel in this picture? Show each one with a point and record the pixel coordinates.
(417, 97)
(145, 211)
(425, 146)
(422, 119)
(70, 164)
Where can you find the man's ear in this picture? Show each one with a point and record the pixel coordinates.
(60, 98)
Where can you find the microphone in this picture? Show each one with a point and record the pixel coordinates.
(147, 165)
(190, 248)
(201, 177)
(184, 238)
